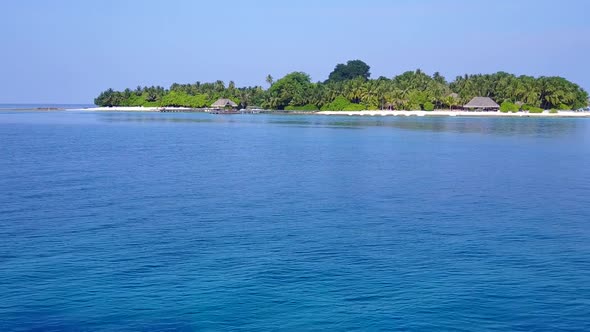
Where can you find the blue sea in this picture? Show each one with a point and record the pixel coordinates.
(7, 107)
(200, 222)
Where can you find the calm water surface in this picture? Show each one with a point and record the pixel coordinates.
(148, 221)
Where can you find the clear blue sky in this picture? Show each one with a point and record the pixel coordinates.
(64, 51)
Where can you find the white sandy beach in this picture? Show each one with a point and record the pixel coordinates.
(373, 113)
(455, 113)
(130, 109)
(123, 109)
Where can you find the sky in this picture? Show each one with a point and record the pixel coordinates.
(68, 51)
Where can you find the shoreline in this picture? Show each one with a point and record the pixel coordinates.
(567, 114)
(457, 113)
(123, 109)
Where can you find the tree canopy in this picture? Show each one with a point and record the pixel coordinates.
(351, 70)
(411, 90)
(293, 90)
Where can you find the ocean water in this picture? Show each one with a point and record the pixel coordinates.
(8, 107)
(194, 222)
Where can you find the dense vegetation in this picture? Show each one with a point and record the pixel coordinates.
(349, 87)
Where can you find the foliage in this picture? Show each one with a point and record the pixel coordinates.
(544, 92)
(292, 90)
(450, 101)
(508, 107)
(428, 106)
(342, 104)
(182, 99)
(354, 107)
(338, 104)
(138, 97)
(532, 109)
(269, 79)
(349, 87)
(351, 70)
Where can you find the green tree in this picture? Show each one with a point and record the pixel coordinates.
(351, 70)
(409, 90)
(293, 89)
(508, 107)
(269, 80)
(341, 103)
(450, 101)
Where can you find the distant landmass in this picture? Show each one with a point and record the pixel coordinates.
(350, 88)
(43, 106)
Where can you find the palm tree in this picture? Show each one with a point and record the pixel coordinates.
(219, 86)
(450, 101)
(269, 80)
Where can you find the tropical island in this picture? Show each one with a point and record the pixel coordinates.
(350, 88)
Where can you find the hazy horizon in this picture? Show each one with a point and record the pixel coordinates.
(66, 52)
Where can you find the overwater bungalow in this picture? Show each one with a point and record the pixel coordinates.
(224, 103)
(224, 106)
(482, 104)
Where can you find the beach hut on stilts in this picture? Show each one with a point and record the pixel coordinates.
(224, 106)
(482, 104)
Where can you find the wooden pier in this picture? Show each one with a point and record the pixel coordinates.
(224, 111)
(182, 110)
(214, 111)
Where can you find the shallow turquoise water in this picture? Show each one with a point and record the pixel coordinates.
(148, 221)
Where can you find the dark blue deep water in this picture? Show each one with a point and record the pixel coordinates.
(149, 221)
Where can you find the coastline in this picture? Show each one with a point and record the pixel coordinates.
(567, 114)
(570, 114)
(122, 109)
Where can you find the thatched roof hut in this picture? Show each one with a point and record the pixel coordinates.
(224, 103)
(484, 103)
